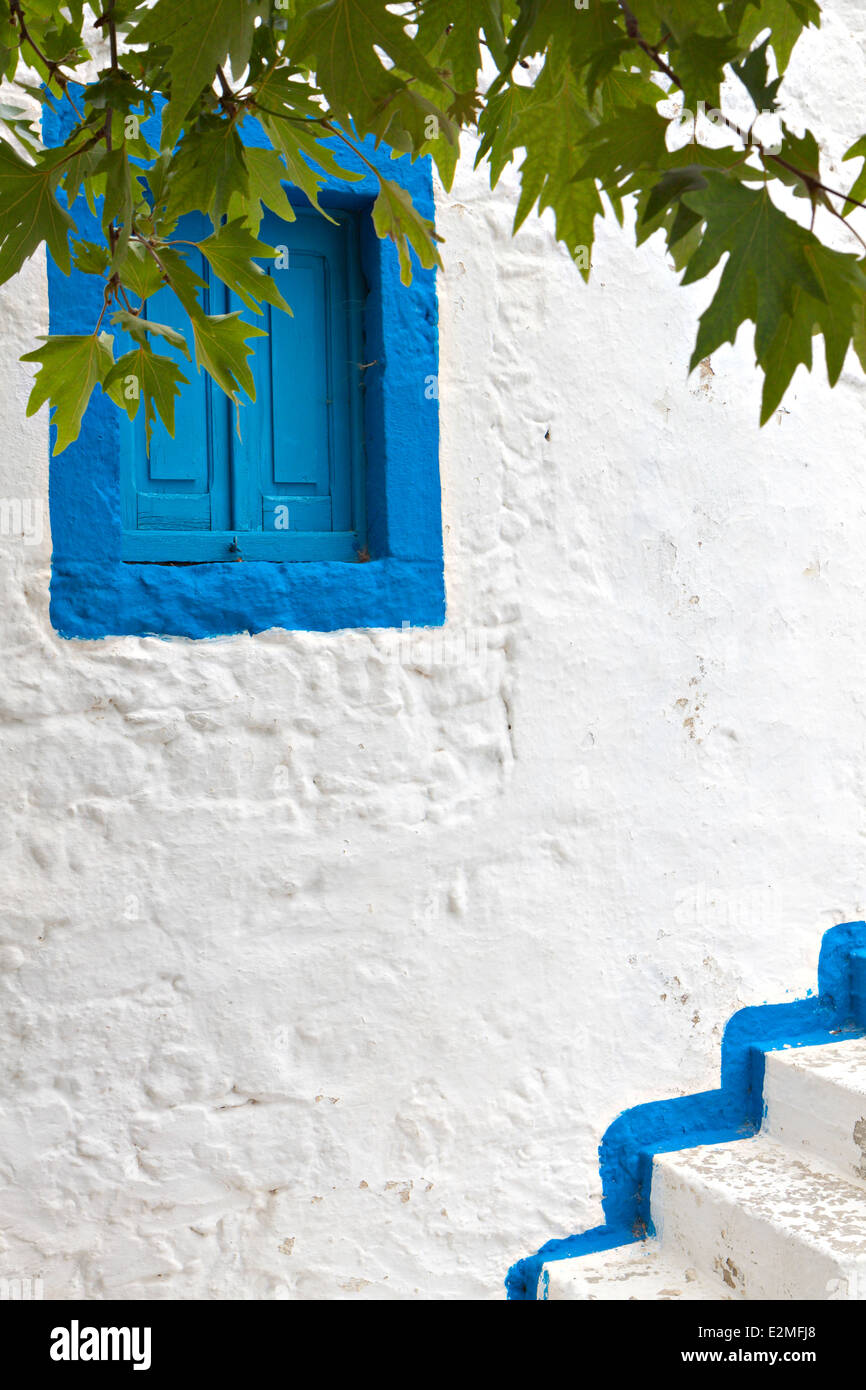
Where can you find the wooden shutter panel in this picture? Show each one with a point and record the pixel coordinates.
(181, 488)
(302, 452)
(291, 487)
(171, 489)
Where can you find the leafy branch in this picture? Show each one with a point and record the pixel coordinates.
(813, 184)
(574, 96)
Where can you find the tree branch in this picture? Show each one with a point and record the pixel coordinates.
(55, 69)
(108, 18)
(812, 183)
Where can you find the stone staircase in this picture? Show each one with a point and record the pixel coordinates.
(781, 1215)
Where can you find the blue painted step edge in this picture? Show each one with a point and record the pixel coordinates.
(734, 1111)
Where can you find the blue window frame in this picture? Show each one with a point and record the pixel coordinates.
(291, 485)
(147, 548)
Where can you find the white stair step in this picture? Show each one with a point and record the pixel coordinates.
(638, 1271)
(760, 1221)
(815, 1099)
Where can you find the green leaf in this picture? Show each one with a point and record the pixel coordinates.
(267, 176)
(859, 339)
(802, 152)
(670, 189)
(498, 126)
(117, 199)
(552, 128)
(754, 73)
(206, 172)
(395, 216)
(630, 139)
(857, 193)
(445, 154)
(113, 89)
(767, 258)
(76, 169)
(679, 19)
(843, 284)
(700, 65)
(153, 183)
(186, 284)
(90, 257)
(230, 253)
(308, 157)
(600, 44)
(839, 316)
(603, 61)
(70, 367)
(139, 328)
(786, 18)
(140, 273)
(412, 123)
(790, 345)
(453, 31)
(660, 195)
(145, 375)
(9, 45)
(220, 347)
(539, 22)
(30, 212)
(19, 122)
(200, 34)
(340, 39)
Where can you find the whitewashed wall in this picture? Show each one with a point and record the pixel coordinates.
(326, 960)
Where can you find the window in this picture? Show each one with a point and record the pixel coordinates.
(344, 435)
(290, 486)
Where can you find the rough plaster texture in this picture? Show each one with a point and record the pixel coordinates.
(327, 961)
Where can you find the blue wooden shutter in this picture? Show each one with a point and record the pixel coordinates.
(291, 487)
(182, 488)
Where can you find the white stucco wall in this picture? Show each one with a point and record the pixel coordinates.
(325, 960)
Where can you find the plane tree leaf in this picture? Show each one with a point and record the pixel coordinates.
(230, 252)
(395, 216)
(140, 329)
(345, 41)
(267, 178)
(70, 367)
(221, 347)
(208, 170)
(143, 375)
(766, 257)
(555, 123)
(754, 73)
(30, 212)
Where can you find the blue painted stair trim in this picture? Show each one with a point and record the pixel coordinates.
(734, 1111)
